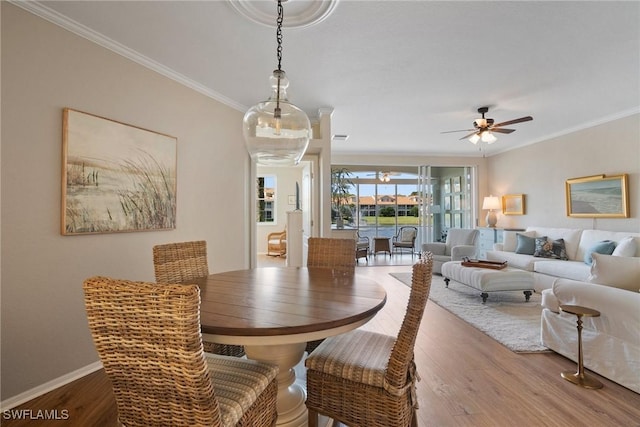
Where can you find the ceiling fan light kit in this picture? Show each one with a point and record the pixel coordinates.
(276, 132)
(484, 128)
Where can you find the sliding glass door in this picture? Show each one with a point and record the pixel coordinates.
(377, 202)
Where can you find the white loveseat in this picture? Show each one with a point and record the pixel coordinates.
(547, 270)
(611, 342)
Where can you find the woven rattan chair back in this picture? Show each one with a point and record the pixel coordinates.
(331, 253)
(180, 262)
(148, 339)
(363, 378)
(338, 254)
(401, 359)
(184, 261)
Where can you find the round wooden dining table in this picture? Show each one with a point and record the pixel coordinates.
(274, 311)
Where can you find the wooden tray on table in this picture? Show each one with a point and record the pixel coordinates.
(481, 263)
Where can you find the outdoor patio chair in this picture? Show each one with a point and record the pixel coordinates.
(148, 338)
(364, 378)
(405, 239)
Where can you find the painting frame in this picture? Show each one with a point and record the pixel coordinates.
(116, 177)
(597, 196)
(513, 204)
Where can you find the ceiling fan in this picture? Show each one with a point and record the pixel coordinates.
(384, 176)
(484, 128)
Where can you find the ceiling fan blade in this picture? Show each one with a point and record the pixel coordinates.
(501, 130)
(467, 136)
(514, 121)
(462, 130)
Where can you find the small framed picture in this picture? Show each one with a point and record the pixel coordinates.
(513, 204)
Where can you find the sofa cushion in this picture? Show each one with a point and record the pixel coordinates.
(547, 248)
(571, 236)
(521, 261)
(625, 247)
(615, 271)
(575, 270)
(591, 237)
(605, 247)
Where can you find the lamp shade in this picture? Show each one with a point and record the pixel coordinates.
(276, 132)
(491, 202)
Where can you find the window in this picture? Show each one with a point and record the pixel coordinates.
(266, 200)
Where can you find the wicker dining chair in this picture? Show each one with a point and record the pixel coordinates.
(184, 261)
(331, 253)
(364, 378)
(148, 338)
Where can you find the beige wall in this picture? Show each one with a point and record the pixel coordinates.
(539, 171)
(44, 69)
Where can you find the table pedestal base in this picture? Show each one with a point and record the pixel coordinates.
(582, 380)
(292, 394)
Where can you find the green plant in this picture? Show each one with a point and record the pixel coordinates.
(340, 185)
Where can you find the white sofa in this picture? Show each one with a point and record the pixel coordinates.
(611, 342)
(546, 270)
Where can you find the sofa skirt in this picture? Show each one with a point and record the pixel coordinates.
(603, 354)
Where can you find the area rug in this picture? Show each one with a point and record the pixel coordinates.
(505, 317)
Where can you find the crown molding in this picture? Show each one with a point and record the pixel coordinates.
(48, 14)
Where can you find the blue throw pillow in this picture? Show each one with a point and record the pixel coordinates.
(526, 245)
(605, 247)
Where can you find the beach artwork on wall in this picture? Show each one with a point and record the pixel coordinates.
(115, 177)
(598, 196)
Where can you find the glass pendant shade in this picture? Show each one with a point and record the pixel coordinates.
(276, 132)
(474, 138)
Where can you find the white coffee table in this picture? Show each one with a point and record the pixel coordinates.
(489, 280)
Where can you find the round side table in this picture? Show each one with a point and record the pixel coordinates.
(580, 378)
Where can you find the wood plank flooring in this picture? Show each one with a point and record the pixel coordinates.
(468, 379)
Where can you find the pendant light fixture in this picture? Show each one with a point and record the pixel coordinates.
(277, 132)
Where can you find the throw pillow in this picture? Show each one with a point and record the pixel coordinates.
(615, 271)
(626, 247)
(547, 248)
(604, 247)
(525, 244)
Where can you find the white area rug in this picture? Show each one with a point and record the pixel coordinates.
(505, 317)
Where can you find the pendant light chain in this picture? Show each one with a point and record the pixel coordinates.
(277, 113)
(279, 33)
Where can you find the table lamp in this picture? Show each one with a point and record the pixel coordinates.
(491, 203)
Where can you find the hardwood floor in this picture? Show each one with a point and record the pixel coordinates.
(468, 379)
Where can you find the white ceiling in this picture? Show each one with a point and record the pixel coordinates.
(396, 73)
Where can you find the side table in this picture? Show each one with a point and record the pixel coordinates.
(580, 378)
(381, 244)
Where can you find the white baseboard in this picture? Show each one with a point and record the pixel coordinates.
(28, 395)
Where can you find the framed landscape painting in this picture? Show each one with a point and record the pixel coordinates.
(598, 196)
(115, 177)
